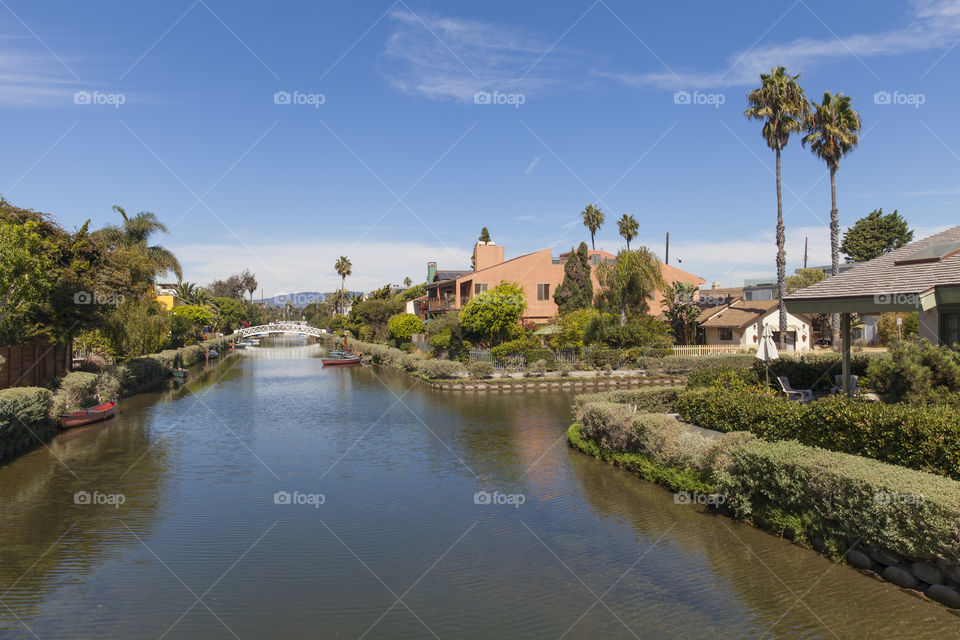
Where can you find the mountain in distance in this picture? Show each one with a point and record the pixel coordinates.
(300, 299)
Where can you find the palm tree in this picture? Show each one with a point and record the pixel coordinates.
(185, 291)
(593, 220)
(628, 228)
(782, 105)
(630, 281)
(681, 310)
(344, 269)
(832, 130)
(135, 234)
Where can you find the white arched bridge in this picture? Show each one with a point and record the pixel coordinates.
(280, 327)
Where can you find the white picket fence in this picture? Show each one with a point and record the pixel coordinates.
(711, 350)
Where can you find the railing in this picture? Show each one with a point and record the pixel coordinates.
(711, 350)
(441, 304)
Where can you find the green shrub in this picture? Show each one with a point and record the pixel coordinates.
(722, 376)
(914, 436)
(404, 325)
(683, 365)
(78, 390)
(538, 368)
(480, 369)
(917, 372)
(438, 369)
(191, 355)
(885, 507)
(25, 419)
(654, 400)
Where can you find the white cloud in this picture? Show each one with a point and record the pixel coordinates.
(32, 79)
(287, 267)
(442, 57)
(935, 25)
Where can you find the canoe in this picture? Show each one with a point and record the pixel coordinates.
(330, 362)
(86, 416)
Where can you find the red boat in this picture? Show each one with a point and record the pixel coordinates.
(86, 416)
(329, 362)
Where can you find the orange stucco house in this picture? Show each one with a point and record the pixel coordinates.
(539, 273)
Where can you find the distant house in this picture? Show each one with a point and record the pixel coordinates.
(165, 294)
(741, 322)
(538, 273)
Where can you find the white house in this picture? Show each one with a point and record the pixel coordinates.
(741, 322)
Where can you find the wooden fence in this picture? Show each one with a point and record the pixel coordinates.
(31, 365)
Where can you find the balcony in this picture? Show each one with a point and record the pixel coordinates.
(439, 305)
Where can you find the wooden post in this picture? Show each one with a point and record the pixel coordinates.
(845, 336)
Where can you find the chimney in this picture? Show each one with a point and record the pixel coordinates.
(431, 271)
(486, 254)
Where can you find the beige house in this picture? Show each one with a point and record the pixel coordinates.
(741, 322)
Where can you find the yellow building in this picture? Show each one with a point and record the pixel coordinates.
(164, 294)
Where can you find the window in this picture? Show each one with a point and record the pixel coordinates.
(479, 287)
(726, 334)
(950, 328)
(543, 292)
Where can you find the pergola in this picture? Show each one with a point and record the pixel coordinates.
(923, 276)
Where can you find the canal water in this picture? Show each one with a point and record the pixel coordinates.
(270, 497)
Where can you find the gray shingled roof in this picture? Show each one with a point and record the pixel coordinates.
(882, 276)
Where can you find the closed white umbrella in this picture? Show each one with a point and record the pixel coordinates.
(767, 350)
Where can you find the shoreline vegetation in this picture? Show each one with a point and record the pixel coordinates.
(892, 523)
(29, 415)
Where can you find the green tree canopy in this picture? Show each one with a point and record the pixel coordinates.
(494, 316)
(134, 234)
(24, 278)
(593, 219)
(576, 290)
(680, 308)
(803, 279)
(228, 314)
(571, 326)
(630, 283)
(404, 325)
(874, 235)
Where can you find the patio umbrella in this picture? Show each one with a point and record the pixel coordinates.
(767, 350)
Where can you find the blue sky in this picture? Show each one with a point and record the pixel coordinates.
(382, 152)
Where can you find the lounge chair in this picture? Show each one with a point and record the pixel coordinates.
(800, 395)
(837, 388)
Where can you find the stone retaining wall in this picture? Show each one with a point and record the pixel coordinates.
(553, 384)
(939, 582)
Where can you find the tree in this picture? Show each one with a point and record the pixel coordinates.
(404, 325)
(228, 314)
(137, 326)
(628, 228)
(249, 282)
(232, 287)
(135, 233)
(832, 130)
(572, 325)
(407, 282)
(630, 282)
(593, 220)
(782, 105)
(344, 268)
(24, 278)
(412, 292)
(889, 332)
(803, 279)
(874, 235)
(681, 310)
(576, 290)
(493, 316)
(484, 235)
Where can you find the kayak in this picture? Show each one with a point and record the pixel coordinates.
(330, 362)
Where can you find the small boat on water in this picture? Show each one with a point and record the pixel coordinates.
(86, 416)
(180, 373)
(212, 353)
(331, 362)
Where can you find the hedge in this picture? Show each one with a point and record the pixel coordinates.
(841, 498)
(924, 437)
(24, 419)
(813, 370)
(850, 498)
(653, 400)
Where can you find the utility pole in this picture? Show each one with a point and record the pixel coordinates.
(805, 240)
(666, 258)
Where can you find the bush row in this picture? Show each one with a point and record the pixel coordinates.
(24, 419)
(654, 400)
(432, 368)
(837, 497)
(924, 437)
(813, 370)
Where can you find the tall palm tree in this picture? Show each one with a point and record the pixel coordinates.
(344, 268)
(782, 105)
(593, 220)
(628, 228)
(134, 233)
(185, 291)
(832, 132)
